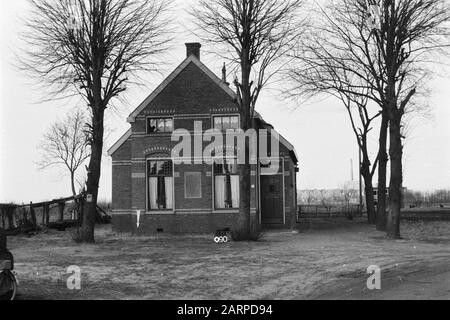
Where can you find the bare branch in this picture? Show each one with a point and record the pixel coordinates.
(255, 36)
(66, 144)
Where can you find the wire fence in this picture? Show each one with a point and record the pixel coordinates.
(328, 211)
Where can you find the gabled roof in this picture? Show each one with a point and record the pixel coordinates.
(289, 146)
(191, 59)
(120, 142)
(283, 140)
(172, 76)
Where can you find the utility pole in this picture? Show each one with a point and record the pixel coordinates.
(351, 171)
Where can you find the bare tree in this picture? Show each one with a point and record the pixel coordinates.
(410, 32)
(92, 48)
(256, 36)
(386, 46)
(347, 194)
(66, 144)
(382, 173)
(362, 126)
(317, 73)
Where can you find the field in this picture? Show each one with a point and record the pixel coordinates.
(328, 260)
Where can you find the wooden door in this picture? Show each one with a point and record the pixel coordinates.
(272, 199)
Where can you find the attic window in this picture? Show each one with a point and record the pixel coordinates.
(224, 123)
(159, 125)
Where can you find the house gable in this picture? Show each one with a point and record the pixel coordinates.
(191, 89)
(115, 148)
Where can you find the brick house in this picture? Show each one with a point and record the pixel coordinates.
(152, 192)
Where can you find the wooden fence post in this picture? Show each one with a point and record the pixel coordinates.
(25, 216)
(9, 214)
(47, 214)
(3, 217)
(3, 243)
(33, 215)
(61, 205)
(81, 212)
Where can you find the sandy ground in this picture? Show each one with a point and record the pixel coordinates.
(328, 261)
(424, 282)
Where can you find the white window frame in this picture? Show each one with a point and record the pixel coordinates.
(226, 115)
(147, 125)
(147, 187)
(216, 210)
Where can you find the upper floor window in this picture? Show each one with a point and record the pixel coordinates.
(224, 123)
(159, 125)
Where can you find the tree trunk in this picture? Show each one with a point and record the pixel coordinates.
(368, 188)
(395, 197)
(72, 183)
(90, 209)
(244, 205)
(370, 203)
(244, 221)
(382, 171)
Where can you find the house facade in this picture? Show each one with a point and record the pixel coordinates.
(155, 189)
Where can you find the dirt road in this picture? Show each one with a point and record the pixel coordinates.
(328, 261)
(430, 281)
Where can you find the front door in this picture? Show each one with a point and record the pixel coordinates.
(272, 199)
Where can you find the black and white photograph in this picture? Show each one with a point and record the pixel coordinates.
(224, 155)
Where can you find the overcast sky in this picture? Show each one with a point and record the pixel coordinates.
(320, 131)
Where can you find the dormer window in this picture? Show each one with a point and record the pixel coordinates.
(224, 123)
(159, 125)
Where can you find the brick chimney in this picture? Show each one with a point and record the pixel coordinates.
(224, 74)
(193, 48)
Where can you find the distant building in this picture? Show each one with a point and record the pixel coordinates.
(375, 196)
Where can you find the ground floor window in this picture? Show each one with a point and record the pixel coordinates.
(226, 186)
(160, 184)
